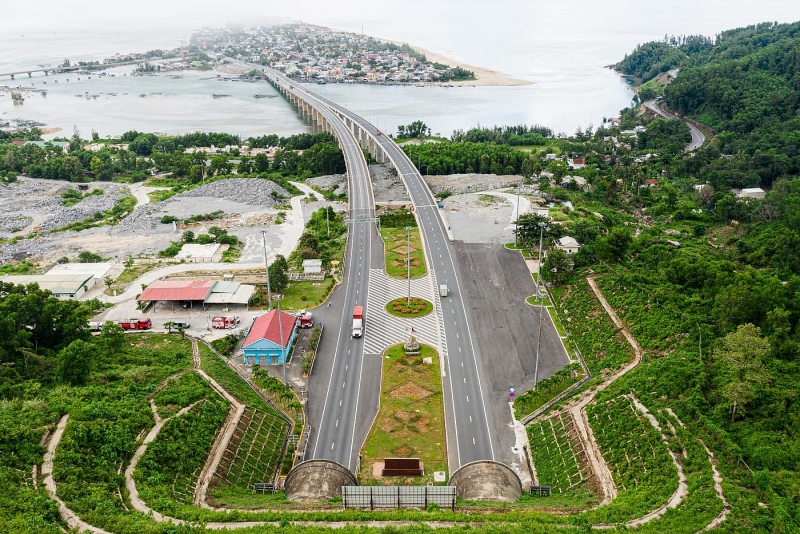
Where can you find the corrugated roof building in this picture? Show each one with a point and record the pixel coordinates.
(263, 342)
(64, 286)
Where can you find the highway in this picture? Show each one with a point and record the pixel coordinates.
(698, 138)
(468, 427)
(335, 437)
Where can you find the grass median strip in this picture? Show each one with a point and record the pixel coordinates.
(410, 423)
(398, 246)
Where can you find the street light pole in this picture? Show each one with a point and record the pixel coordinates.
(327, 223)
(283, 346)
(516, 223)
(408, 261)
(541, 306)
(266, 268)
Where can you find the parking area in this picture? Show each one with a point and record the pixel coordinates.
(496, 283)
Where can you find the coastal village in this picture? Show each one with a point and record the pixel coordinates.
(316, 54)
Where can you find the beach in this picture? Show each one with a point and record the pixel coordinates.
(484, 77)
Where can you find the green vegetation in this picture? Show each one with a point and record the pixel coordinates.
(229, 380)
(305, 294)
(397, 251)
(410, 422)
(546, 390)
(22, 267)
(317, 242)
(168, 471)
(70, 197)
(559, 462)
(181, 391)
(225, 345)
(419, 307)
(643, 471)
(255, 453)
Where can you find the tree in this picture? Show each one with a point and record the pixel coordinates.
(742, 354)
(89, 257)
(614, 246)
(187, 236)
(277, 276)
(75, 362)
(129, 262)
(558, 168)
(108, 282)
(557, 266)
(528, 229)
(112, 337)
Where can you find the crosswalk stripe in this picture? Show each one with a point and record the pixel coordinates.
(383, 330)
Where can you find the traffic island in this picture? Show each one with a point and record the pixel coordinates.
(410, 423)
(418, 308)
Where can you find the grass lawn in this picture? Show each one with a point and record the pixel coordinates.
(395, 239)
(129, 275)
(419, 307)
(533, 301)
(410, 422)
(302, 295)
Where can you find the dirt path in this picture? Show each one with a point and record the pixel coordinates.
(67, 515)
(223, 437)
(577, 408)
(726, 507)
(681, 492)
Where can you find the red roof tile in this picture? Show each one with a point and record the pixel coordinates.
(169, 290)
(267, 327)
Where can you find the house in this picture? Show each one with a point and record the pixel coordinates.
(568, 244)
(651, 183)
(312, 266)
(269, 331)
(576, 163)
(752, 192)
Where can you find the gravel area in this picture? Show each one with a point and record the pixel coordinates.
(251, 191)
(470, 183)
(476, 218)
(337, 182)
(386, 185)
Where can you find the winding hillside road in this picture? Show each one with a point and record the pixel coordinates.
(698, 137)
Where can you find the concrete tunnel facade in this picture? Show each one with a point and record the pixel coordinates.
(317, 480)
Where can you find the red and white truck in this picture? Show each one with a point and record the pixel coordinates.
(305, 320)
(358, 321)
(225, 321)
(143, 323)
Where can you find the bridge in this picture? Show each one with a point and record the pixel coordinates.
(46, 70)
(470, 443)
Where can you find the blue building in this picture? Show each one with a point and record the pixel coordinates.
(263, 343)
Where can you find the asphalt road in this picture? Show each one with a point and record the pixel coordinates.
(469, 434)
(352, 394)
(698, 138)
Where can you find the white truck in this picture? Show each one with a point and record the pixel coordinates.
(443, 290)
(358, 321)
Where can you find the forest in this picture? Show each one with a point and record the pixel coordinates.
(147, 154)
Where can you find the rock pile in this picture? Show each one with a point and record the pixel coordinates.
(253, 191)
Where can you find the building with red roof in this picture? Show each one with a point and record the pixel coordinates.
(270, 338)
(189, 293)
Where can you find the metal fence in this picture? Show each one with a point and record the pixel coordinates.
(372, 497)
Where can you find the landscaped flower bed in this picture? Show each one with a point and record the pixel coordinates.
(400, 308)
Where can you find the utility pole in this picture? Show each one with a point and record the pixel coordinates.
(266, 268)
(327, 223)
(541, 306)
(408, 261)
